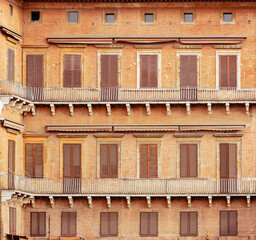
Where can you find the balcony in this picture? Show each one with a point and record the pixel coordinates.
(131, 187)
(136, 95)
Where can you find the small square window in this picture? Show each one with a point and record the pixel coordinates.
(227, 17)
(73, 17)
(188, 17)
(149, 17)
(110, 17)
(35, 16)
(10, 10)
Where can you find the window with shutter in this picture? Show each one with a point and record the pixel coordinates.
(148, 224)
(148, 160)
(188, 160)
(108, 160)
(12, 220)
(38, 224)
(228, 223)
(148, 71)
(108, 224)
(72, 72)
(188, 224)
(68, 224)
(34, 160)
(35, 70)
(228, 71)
(10, 66)
(11, 164)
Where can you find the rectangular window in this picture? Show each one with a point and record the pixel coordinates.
(188, 223)
(148, 160)
(149, 17)
(68, 224)
(35, 70)
(228, 223)
(228, 71)
(38, 224)
(35, 16)
(108, 224)
(34, 160)
(148, 224)
(73, 16)
(72, 70)
(148, 71)
(11, 68)
(108, 160)
(188, 160)
(110, 17)
(12, 220)
(227, 17)
(188, 17)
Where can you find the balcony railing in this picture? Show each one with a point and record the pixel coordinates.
(196, 186)
(59, 94)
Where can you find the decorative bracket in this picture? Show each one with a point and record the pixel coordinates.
(148, 109)
(12, 103)
(89, 198)
(227, 108)
(52, 109)
(90, 113)
(108, 201)
(189, 201)
(18, 106)
(228, 201)
(14, 198)
(168, 198)
(51, 201)
(25, 201)
(210, 201)
(70, 201)
(71, 109)
(108, 109)
(20, 198)
(168, 109)
(209, 106)
(128, 200)
(32, 201)
(188, 108)
(248, 200)
(148, 201)
(33, 109)
(128, 108)
(247, 106)
(25, 108)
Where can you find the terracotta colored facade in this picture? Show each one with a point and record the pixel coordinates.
(167, 116)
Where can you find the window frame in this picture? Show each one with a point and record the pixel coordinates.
(69, 235)
(188, 217)
(223, 11)
(143, 17)
(109, 223)
(148, 233)
(38, 214)
(104, 17)
(228, 225)
(30, 16)
(182, 16)
(78, 17)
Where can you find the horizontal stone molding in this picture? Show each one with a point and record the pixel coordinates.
(228, 134)
(188, 135)
(109, 135)
(12, 124)
(77, 128)
(148, 135)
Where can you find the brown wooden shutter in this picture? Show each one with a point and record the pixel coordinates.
(67, 160)
(113, 221)
(144, 223)
(35, 70)
(183, 224)
(109, 70)
(11, 63)
(77, 71)
(42, 224)
(232, 81)
(143, 71)
(103, 160)
(183, 71)
(148, 71)
(232, 223)
(11, 164)
(104, 224)
(12, 220)
(193, 223)
(67, 73)
(224, 160)
(192, 70)
(72, 220)
(153, 227)
(30, 71)
(153, 69)
(183, 160)
(104, 71)
(192, 160)
(64, 224)
(144, 160)
(223, 223)
(223, 71)
(38, 161)
(34, 223)
(76, 160)
(153, 161)
(29, 167)
(232, 160)
(113, 159)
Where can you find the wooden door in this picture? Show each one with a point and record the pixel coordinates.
(109, 77)
(188, 77)
(228, 168)
(11, 164)
(72, 168)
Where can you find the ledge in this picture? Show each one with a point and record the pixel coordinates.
(217, 127)
(37, 135)
(228, 134)
(188, 46)
(72, 135)
(13, 125)
(108, 135)
(146, 127)
(148, 135)
(188, 135)
(8, 32)
(116, 46)
(77, 128)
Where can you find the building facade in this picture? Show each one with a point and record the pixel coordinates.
(127, 119)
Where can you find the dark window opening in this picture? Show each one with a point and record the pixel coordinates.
(73, 17)
(227, 17)
(149, 17)
(188, 17)
(110, 17)
(35, 16)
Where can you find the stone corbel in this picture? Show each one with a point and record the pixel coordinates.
(248, 200)
(128, 108)
(108, 201)
(70, 201)
(148, 109)
(20, 198)
(228, 201)
(247, 106)
(33, 109)
(210, 201)
(227, 108)
(52, 109)
(90, 113)
(168, 109)
(32, 201)
(71, 109)
(128, 200)
(109, 113)
(12, 103)
(188, 108)
(25, 201)
(189, 201)
(25, 108)
(14, 198)
(89, 198)
(209, 106)
(18, 106)
(168, 198)
(148, 201)
(51, 201)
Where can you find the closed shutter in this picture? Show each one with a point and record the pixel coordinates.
(11, 68)
(12, 220)
(72, 220)
(38, 160)
(233, 223)
(153, 160)
(148, 71)
(223, 223)
(76, 160)
(103, 160)
(144, 161)
(183, 160)
(104, 71)
(67, 160)
(193, 223)
(188, 71)
(30, 71)
(67, 74)
(29, 166)
(113, 224)
(77, 71)
(184, 224)
(144, 224)
(42, 224)
(232, 71)
(109, 70)
(192, 160)
(223, 71)
(224, 160)
(104, 224)
(34, 223)
(64, 224)
(153, 227)
(11, 164)
(232, 160)
(113, 160)
(35, 70)
(183, 71)
(228, 71)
